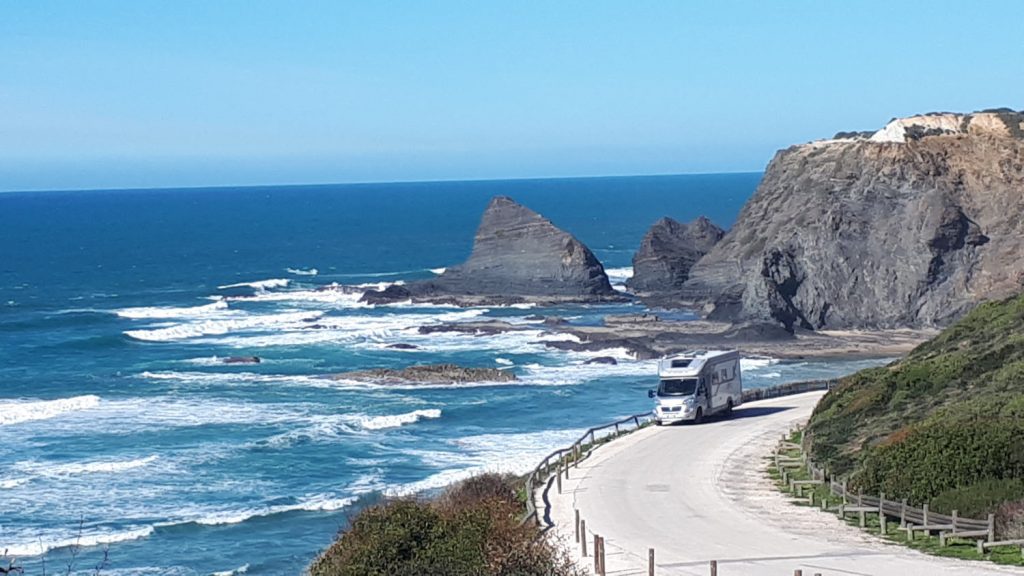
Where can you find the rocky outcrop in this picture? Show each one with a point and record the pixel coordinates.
(430, 374)
(911, 226)
(668, 251)
(517, 254)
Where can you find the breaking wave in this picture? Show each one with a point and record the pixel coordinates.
(183, 331)
(383, 422)
(18, 411)
(33, 546)
(258, 285)
(214, 309)
(302, 272)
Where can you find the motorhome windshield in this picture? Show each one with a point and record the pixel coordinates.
(677, 387)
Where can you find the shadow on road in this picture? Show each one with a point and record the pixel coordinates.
(755, 411)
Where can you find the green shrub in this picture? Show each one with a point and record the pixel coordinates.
(979, 499)
(943, 454)
(470, 530)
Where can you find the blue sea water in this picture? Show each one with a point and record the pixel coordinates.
(121, 425)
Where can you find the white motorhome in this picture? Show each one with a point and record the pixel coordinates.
(697, 384)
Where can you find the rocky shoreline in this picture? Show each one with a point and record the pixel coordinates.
(429, 374)
(647, 337)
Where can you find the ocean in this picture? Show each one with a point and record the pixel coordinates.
(120, 424)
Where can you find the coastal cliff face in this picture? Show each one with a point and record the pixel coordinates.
(910, 226)
(668, 251)
(517, 254)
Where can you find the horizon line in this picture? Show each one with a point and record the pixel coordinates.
(368, 182)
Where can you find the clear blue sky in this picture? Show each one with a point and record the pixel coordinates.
(176, 93)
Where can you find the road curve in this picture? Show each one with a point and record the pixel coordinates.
(700, 493)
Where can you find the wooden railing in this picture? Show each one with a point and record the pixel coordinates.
(911, 518)
(562, 458)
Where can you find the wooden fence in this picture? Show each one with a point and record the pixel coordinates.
(911, 518)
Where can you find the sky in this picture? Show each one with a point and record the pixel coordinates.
(145, 93)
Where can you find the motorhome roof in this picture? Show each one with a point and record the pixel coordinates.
(690, 363)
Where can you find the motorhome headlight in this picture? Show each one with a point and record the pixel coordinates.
(689, 401)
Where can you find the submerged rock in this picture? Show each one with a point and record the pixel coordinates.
(389, 295)
(602, 360)
(403, 346)
(668, 251)
(910, 227)
(431, 374)
(242, 360)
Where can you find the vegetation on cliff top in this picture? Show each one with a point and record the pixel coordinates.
(471, 530)
(945, 424)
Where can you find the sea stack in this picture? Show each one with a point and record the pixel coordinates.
(517, 254)
(908, 226)
(668, 251)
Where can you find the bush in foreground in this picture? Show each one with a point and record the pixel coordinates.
(470, 530)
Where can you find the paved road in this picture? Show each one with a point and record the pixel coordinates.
(697, 493)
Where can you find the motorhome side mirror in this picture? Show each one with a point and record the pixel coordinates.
(650, 393)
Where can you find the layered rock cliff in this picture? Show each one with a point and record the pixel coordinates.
(516, 253)
(668, 251)
(909, 226)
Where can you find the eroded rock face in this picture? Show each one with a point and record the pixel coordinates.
(517, 253)
(911, 228)
(668, 252)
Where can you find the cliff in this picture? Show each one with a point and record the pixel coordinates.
(668, 251)
(517, 254)
(912, 225)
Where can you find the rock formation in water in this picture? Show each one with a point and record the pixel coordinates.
(430, 374)
(910, 226)
(668, 251)
(517, 254)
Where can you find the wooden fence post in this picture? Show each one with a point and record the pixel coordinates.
(558, 476)
(583, 538)
(714, 568)
(577, 525)
(650, 562)
(991, 527)
(924, 510)
(798, 572)
(597, 554)
(903, 513)
(602, 557)
(881, 513)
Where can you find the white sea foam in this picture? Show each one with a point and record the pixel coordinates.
(215, 309)
(757, 362)
(438, 271)
(315, 503)
(35, 546)
(388, 421)
(501, 453)
(303, 272)
(258, 285)
(579, 372)
(187, 330)
(18, 411)
(504, 361)
(619, 275)
(233, 572)
(98, 466)
(12, 483)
